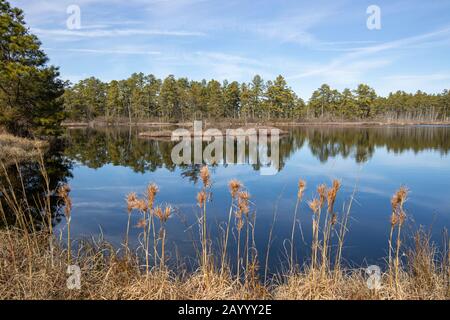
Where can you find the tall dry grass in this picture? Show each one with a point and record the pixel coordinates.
(34, 261)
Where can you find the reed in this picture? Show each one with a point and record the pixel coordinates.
(131, 204)
(163, 216)
(301, 190)
(239, 225)
(398, 217)
(330, 222)
(234, 187)
(63, 193)
(152, 190)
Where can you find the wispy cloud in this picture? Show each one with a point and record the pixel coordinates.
(108, 51)
(102, 33)
(293, 27)
(344, 60)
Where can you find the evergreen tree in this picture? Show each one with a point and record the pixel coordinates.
(279, 98)
(215, 100)
(232, 99)
(365, 97)
(169, 99)
(30, 89)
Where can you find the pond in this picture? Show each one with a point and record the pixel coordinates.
(103, 165)
(371, 163)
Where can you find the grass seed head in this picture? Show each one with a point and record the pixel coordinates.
(314, 205)
(163, 215)
(131, 201)
(301, 188)
(63, 193)
(322, 191)
(205, 176)
(234, 186)
(141, 205)
(201, 198)
(331, 195)
(243, 202)
(152, 190)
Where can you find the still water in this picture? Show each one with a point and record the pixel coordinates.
(372, 162)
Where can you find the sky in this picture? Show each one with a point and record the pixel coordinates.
(308, 42)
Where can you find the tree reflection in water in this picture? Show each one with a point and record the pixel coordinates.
(26, 181)
(123, 146)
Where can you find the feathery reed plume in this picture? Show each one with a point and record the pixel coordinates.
(201, 198)
(234, 187)
(331, 196)
(315, 206)
(201, 201)
(397, 219)
(152, 190)
(205, 176)
(243, 201)
(163, 215)
(63, 193)
(141, 205)
(401, 195)
(328, 224)
(131, 201)
(322, 191)
(394, 222)
(301, 190)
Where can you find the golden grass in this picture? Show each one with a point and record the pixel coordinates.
(33, 264)
(14, 148)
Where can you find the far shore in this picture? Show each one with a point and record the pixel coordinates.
(253, 124)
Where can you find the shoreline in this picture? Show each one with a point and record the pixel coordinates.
(152, 124)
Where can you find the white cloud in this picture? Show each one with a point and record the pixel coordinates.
(101, 33)
(107, 51)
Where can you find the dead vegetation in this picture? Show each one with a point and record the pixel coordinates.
(14, 148)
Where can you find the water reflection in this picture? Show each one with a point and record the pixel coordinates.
(106, 164)
(124, 147)
(25, 183)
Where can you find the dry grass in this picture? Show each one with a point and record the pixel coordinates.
(33, 264)
(14, 148)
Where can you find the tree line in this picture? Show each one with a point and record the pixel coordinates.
(34, 100)
(146, 97)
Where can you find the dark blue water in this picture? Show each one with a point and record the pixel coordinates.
(370, 162)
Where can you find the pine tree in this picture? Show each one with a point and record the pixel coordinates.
(30, 89)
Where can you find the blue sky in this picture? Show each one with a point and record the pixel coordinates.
(308, 42)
